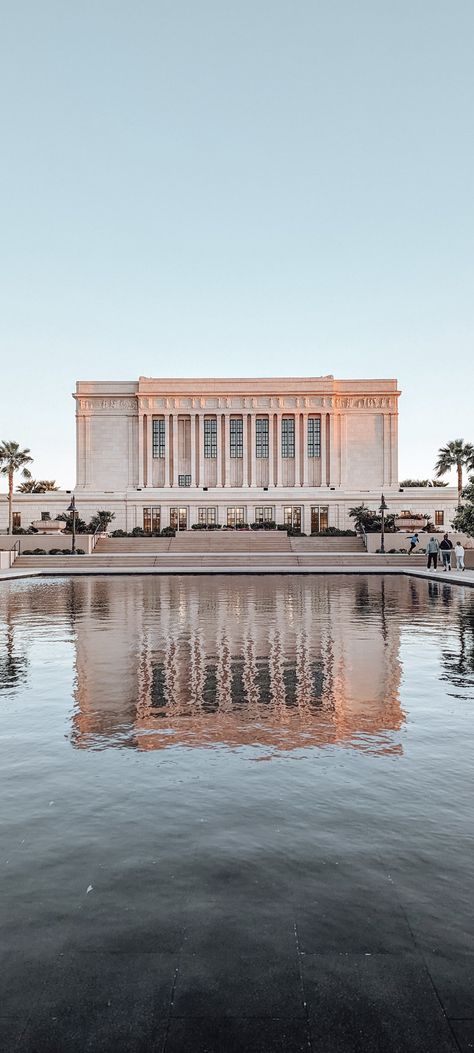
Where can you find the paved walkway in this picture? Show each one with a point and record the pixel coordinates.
(447, 577)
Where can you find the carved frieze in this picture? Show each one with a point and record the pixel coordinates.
(106, 404)
(363, 402)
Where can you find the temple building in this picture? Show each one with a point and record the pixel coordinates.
(300, 452)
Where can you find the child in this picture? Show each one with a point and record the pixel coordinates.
(414, 541)
(459, 553)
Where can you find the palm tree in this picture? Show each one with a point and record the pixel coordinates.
(456, 454)
(12, 459)
(37, 486)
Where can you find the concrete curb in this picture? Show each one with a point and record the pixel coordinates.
(445, 577)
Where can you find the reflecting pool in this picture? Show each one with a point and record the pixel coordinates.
(236, 813)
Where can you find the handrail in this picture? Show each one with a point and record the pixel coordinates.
(17, 542)
(95, 536)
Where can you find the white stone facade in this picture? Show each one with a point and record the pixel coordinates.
(300, 451)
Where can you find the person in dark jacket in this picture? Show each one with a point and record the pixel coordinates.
(446, 547)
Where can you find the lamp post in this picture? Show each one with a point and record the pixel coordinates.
(383, 509)
(72, 510)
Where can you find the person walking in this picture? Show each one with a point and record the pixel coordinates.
(432, 551)
(459, 553)
(414, 541)
(446, 548)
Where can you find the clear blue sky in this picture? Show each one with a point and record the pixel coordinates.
(264, 187)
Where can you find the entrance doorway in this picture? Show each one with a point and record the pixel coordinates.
(179, 518)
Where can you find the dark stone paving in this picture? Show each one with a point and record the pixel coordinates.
(339, 968)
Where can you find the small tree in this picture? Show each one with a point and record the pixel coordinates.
(456, 454)
(12, 460)
(101, 520)
(464, 518)
(407, 483)
(37, 486)
(66, 517)
(370, 521)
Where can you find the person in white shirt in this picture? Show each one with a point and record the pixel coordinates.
(459, 553)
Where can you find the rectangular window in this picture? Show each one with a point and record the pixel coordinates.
(159, 437)
(16, 520)
(179, 518)
(236, 437)
(314, 437)
(288, 437)
(261, 437)
(210, 437)
(292, 516)
(319, 518)
(439, 518)
(152, 520)
(184, 480)
(207, 516)
(235, 517)
(264, 514)
(45, 517)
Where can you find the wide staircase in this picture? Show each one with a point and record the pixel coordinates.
(221, 550)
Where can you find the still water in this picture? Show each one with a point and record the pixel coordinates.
(184, 748)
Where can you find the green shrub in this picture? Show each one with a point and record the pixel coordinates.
(119, 533)
(55, 551)
(80, 552)
(333, 532)
(137, 532)
(168, 532)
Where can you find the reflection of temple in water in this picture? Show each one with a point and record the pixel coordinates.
(279, 662)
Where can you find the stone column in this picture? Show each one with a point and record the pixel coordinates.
(149, 450)
(334, 449)
(245, 450)
(227, 449)
(279, 479)
(271, 451)
(394, 449)
(167, 450)
(131, 452)
(323, 450)
(140, 450)
(219, 448)
(87, 454)
(297, 449)
(193, 449)
(253, 458)
(175, 449)
(343, 447)
(201, 449)
(304, 451)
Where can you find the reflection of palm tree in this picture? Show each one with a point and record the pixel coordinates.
(459, 664)
(13, 666)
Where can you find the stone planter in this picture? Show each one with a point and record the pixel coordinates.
(49, 526)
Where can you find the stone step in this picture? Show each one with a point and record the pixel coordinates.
(214, 561)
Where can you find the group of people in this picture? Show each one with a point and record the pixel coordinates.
(434, 549)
